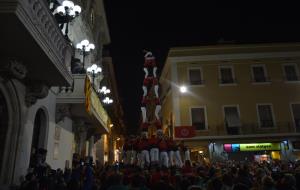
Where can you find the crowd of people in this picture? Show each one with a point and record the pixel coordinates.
(230, 175)
(159, 163)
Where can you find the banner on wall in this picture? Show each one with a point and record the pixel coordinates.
(251, 147)
(185, 131)
(87, 93)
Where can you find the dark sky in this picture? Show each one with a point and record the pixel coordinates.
(159, 25)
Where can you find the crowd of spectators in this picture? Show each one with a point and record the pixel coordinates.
(229, 175)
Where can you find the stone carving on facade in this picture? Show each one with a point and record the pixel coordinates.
(14, 68)
(35, 91)
(62, 110)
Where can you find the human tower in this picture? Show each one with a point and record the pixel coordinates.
(158, 149)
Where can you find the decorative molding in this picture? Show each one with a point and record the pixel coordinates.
(35, 15)
(61, 111)
(35, 91)
(14, 68)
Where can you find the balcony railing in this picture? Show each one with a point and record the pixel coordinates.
(227, 80)
(260, 79)
(291, 78)
(30, 24)
(246, 129)
(197, 82)
(84, 101)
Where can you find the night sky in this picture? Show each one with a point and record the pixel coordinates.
(157, 26)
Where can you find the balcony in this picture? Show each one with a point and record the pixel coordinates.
(227, 81)
(250, 130)
(29, 33)
(82, 105)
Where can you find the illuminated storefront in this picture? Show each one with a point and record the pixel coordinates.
(254, 151)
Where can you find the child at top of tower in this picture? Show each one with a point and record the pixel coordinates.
(149, 64)
(149, 60)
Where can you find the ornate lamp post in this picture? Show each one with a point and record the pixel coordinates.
(65, 13)
(107, 100)
(104, 90)
(84, 47)
(94, 70)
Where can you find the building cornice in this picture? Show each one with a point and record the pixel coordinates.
(235, 56)
(228, 137)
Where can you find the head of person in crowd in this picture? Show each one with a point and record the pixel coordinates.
(288, 181)
(227, 180)
(160, 134)
(215, 184)
(240, 186)
(268, 183)
(144, 135)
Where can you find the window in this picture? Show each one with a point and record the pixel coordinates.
(265, 115)
(232, 119)
(195, 76)
(232, 116)
(259, 73)
(226, 75)
(291, 72)
(296, 115)
(199, 118)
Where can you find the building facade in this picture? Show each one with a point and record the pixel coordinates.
(45, 101)
(242, 100)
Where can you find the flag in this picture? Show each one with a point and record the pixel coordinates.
(185, 131)
(87, 92)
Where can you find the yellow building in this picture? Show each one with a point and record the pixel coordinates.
(243, 100)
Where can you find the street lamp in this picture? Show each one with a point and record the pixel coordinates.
(66, 12)
(104, 90)
(183, 89)
(84, 47)
(94, 70)
(107, 100)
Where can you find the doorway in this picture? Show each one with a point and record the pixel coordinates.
(3, 126)
(39, 132)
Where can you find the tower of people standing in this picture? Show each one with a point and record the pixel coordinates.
(150, 82)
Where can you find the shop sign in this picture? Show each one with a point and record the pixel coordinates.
(251, 147)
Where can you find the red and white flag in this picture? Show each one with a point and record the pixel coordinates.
(185, 131)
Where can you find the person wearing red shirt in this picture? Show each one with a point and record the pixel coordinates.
(154, 151)
(163, 150)
(187, 169)
(177, 156)
(144, 148)
(171, 145)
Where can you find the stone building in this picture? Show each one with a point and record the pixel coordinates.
(44, 102)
